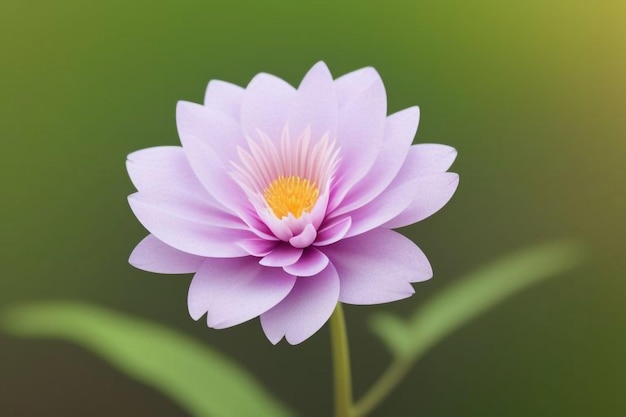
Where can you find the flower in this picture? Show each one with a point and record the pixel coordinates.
(281, 201)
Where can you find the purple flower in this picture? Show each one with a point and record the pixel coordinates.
(282, 200)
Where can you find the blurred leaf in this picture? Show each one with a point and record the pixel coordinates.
(392, 330)
(199, 379)
(473, 295)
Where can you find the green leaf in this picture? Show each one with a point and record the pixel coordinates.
(392, 331)
(199, 379)
(473, 295)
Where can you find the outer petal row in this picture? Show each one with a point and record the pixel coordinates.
(378, 267)
(163, 167)
(419, 190)
(210, 140)
(428, 163)
(224, 97)
(232, 291)
(315, 104)
(351, 85)
(176, 209)
(152, 255)
(361, 120)
(430, 158)
(236, 290)
(305, 310)
(265, 105)
(400, 130)
(187, 224)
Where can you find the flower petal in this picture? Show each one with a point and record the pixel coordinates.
(360, 121)
(431, 158)
(400, 130)
(211, 127)
(255, 223)
(282, 255)
(278, 227)
(350, 85)
(305, 310)
(265, 106)
(210, 141)
(257, 247)
(378, 267)
(152, 255)
(225, 97)
(232, 291)
(430, 194)
(182, 203)
(305, 238)
(188, 224)
(311, 262)
(315, 104)
(385, 207)
(163, 167)
(333, 231)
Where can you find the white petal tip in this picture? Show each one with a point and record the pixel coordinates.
(295, 341)
(196, 315)
(274, 341)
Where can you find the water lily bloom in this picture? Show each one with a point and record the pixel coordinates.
(282, 201)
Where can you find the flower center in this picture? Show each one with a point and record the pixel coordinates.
(291, 194)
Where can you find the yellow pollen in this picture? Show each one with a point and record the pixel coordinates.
(291, 194)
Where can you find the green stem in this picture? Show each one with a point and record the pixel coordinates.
(341, 364)
(383, 386)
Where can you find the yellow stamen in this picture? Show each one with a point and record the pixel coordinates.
(291, 194)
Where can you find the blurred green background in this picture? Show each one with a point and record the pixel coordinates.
(532, 94)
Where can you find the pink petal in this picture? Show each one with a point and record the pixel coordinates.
(163, 167)
(265, 105)
(431, 158)
(385, 207)
(210, 141)
(282, 255)
(163, 175)
(377, 267)
(334, 231)
(278, 227)
(225, 97)
(315, 104)
(182, 203)
(350, 85)
(318, 214)
(188, 224)
(252, 219)
(152, 255)
(211, 127)
(430, 194)
(232, 291)
(305, 238)
(311, 262)
(400, 130)
(257, 247)
(305, 310)
(361, 121)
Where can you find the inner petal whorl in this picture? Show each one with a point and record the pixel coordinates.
(287, 177)
(291, 194)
